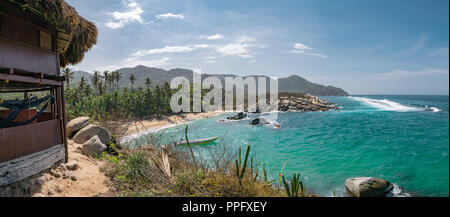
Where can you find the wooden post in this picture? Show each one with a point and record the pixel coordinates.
(60, 115)
(64, 118)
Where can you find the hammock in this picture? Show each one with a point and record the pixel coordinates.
(17, 105)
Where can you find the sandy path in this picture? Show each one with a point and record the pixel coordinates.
(89, 180)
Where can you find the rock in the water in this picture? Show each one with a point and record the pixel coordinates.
(367, 187)
(72, 165)
(76, 124)
(90, 131)
(254, 121)
(93, 146)
(239, 116)
(257, 121)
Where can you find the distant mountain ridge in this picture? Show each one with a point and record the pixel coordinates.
(293, 83)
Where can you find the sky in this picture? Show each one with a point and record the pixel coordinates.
(362, 46)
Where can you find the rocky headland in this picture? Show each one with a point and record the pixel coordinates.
(304, 103)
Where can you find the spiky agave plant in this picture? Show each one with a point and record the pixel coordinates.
(240, 168)
(297, 188)
(266, 181)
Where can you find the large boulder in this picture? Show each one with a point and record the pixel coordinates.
(76, 124)
(93, 146)
(90, 131)
(367, 187)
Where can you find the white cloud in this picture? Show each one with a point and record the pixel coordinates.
(405, 73)
(318, 55)
(132, 14)
(132, 62)
(171, 49)
(213, 37)
(169, 15)
(238, 48)
(153, 63)
(300, 48)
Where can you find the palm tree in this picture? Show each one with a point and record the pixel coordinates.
(117, 76)
(148, 82)
(82, 83)
(95, 80)
(68, 74)
(101, 88)
(132, 80)
(107, 79)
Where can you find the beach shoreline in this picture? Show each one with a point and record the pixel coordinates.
(135, 129)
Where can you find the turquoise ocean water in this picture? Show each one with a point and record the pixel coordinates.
(404, 139)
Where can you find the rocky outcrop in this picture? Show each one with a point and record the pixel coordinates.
(304, 103)
(93, 146)
(90, 131)
(257, 121)
(76, 124)
(367, 187)
(239, 116)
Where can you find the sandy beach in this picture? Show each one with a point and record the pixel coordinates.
(135, 129)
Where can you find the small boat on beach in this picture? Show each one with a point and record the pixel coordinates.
(198, 141)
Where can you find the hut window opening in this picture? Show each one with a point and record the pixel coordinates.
(26, 107)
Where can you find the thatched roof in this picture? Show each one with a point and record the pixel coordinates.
(79, 33)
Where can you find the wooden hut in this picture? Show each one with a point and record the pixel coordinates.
(37, 38)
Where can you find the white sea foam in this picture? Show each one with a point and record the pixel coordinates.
(387, 105)
(433, 109)
(398, 192)
(275, 124)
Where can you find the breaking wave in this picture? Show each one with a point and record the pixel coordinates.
(387, 105)
(433, 109)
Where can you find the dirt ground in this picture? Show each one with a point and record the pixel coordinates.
(85, 181)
